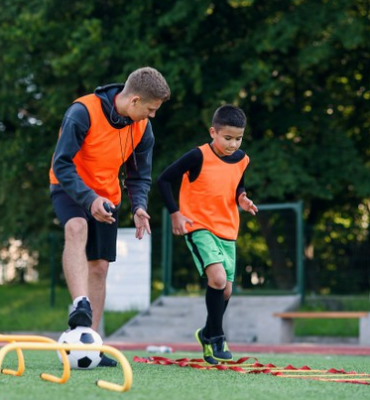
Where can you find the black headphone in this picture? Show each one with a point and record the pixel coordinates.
(121, 120)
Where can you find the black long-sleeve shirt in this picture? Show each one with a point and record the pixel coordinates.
(190, 163)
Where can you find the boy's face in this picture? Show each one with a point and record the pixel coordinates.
(226, 140)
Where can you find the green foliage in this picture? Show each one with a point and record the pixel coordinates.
(298, 68)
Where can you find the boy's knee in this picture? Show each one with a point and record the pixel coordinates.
(216, 276)
(218, 283)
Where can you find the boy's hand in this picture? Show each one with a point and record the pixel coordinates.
(247, 204)
(179, 222)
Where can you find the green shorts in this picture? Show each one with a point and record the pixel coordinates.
(207, 249)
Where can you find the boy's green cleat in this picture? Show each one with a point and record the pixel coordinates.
(219, 348)
(207, 348)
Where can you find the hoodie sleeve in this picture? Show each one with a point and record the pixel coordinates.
(138, 178)
(75, 125)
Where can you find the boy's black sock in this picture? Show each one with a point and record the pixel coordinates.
(215, 304)
(207, 327)
(226, 303)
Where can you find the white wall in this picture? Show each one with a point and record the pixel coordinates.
(128, 282)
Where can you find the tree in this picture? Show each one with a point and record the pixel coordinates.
(298, 68)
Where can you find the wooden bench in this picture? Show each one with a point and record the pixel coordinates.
(287, 322)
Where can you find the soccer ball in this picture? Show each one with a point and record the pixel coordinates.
(82, 359)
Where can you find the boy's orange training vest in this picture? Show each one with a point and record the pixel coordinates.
(103, 151)
(210, 201)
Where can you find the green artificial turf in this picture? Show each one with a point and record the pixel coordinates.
(156, 382)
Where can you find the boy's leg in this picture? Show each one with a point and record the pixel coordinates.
(215, 310)
(208, 255)
(227, 294)
(227, 249)
(215, 302)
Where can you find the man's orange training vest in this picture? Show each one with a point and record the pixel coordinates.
(103, 151)
(210, 201)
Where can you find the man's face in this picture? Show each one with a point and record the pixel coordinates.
(226, 140)
(140, 109)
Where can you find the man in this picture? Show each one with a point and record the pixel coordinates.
(100, 132)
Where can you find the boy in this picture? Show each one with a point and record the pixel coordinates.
(212, 188)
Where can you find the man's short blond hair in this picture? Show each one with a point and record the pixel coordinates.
(148, 83)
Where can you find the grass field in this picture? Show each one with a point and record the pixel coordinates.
(28, 308)
(155, 382)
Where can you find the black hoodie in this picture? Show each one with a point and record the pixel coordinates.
(75, 125)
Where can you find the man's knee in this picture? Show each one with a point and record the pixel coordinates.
(99, 268)
(76, 229)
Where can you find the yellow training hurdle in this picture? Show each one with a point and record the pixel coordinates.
(21, 364)
(19, 343)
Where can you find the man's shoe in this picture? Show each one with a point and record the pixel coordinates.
(219, 348)
(207, 349)
(107, 362)
(81, 315)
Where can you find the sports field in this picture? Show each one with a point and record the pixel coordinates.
(173, 382)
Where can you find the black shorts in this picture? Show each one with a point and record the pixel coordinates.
(101, 237)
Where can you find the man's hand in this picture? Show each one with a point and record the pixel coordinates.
(179, 222)
(141, 220)
(247, 204)
(99, 212)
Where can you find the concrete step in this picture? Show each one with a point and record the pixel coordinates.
(176, 318)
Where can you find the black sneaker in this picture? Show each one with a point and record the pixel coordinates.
(207, 350)
(81, 315)
(107, 362)
(219, 348)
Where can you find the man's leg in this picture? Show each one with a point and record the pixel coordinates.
(74, 257)
(98, 270)
(75, 269)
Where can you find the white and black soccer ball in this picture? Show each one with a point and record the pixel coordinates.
(82, 359)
